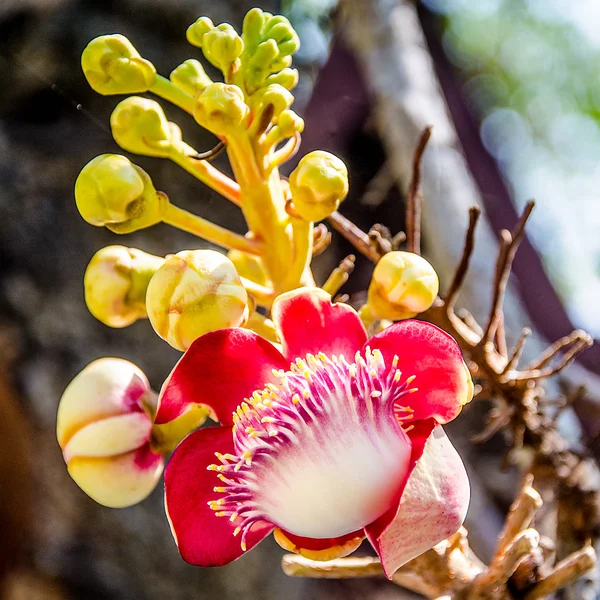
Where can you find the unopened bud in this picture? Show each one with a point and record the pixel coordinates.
(403, 285)
(197, 30)
(288, 78)
(190, 77)
(104, 432)
(222, 46)
(221, 108)
(194, 292)
(112, 65)
(115, 284)
(140, 126)
(289, 123)
(111, 191)
(318, 184)
(278, 97)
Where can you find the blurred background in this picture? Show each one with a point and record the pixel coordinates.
(521, 78)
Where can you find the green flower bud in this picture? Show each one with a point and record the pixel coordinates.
(193, 293)
(318, 184)
(115, 284)
(403, 285)
(289, 123)
(197, 30)
(221, 108)
(278, 97)
(111, 191)
(254, 22)
(287, 78)
(222, 46)
(140, 126)
(112, 65)
(190, 77)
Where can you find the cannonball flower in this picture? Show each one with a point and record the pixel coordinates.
(332, 440)
(104, 429)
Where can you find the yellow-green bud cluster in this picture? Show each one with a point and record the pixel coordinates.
(403, 285)
(221, 45)
(115, 284)
(318, 185)
(111, 191)
(195, 292)
(112, 65)
(269, 43)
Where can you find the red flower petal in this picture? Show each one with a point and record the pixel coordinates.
(219, 370)
(442, 378)
(203, 538)
(308, 322)
(433, 505)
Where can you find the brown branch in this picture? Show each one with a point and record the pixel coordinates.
(508, 249)
(515, 355)
(414, 197)
(521, 513)
(463, 266)
(556, 348)
(356, 236)
(564, 573)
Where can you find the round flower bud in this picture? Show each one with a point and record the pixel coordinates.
(318, 184)
(278, 97)
(115, 284)
(104, 432)
(112, 65)
(222, 46)
(403, 285)
(194, 292)
(111, 191)
(190, 77)
(221, 108)
(140, 126)
(197, 30)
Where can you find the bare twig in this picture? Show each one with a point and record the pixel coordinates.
(356, 236)
(414, 197)
(463, 267)
(515, 355)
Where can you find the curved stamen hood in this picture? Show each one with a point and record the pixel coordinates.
(322, 454)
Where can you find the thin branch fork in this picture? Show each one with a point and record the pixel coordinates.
(355, 235)
(414, 197)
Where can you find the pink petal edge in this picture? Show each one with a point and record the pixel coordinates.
(203, 539)
(308, 323)
(433, 506)
(219, 370)
(424, 350)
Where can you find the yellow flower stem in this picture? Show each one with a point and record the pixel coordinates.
(182, 154)
(302, 232)
(263, 326)
(182, 219)
(263, 296)
(263, 204)
(166, 89)
(284, 154)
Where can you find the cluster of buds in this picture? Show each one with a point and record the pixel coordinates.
(113, 429)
